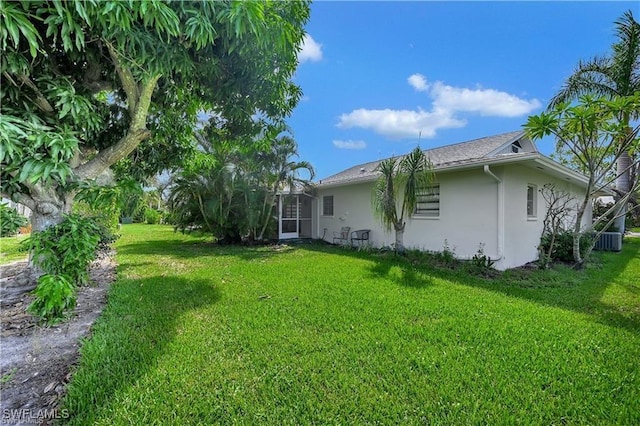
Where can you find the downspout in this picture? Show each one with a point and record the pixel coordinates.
(500, 206)
(318, 207)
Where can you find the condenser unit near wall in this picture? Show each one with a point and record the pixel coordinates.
(609, 241)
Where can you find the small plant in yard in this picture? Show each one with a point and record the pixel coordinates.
(55, 295)
(365, 247)
(448, 255)
(63, 252)
(480, 260)
(152, 216)
(555, 224)
(10, 221)
(67, 248)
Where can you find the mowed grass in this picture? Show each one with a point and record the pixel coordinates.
(311, 334)
(10, 249)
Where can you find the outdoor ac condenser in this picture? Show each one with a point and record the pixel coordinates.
(609, 241)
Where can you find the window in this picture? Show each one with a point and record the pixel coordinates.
(531, 200)
(428, 201)
(327, 205)
(516, 147)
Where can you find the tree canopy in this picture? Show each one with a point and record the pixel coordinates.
(611, 76)
(84, 83)
(596, 136)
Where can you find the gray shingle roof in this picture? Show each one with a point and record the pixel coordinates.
(441, 157)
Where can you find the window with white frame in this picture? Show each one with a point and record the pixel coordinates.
(532, 195)
(327, 205)
(428, 201)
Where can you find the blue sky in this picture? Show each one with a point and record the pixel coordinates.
(376, 75)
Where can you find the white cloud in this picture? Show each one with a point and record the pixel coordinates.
(446, 104)
(399, 124)
(349, 144)
(486, 102)
(418, 82)
(311, 50)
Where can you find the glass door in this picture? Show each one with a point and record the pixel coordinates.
(289, 213)
(304, 218)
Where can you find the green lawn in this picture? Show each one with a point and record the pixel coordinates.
(9, 249)
(199, 334)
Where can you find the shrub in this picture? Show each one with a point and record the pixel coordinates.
(151, 216)
(63, 252)
(10, 221)
(55, 294)
(563, 245)
(67, 248)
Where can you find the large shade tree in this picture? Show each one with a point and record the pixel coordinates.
(84, 84)
(613, 75)
(397, 190)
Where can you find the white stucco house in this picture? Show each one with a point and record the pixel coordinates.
(485, 191)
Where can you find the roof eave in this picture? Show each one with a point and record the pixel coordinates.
(442, 168)
(536, 157)
(572, 175)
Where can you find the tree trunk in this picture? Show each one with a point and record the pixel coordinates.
(266, 218)
(399, 227)
(47, 213)
(48, 207)
(577, 232)
(623, 186)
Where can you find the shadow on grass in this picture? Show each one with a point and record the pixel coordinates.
(141, 319)
(402, 273)
(561, 286)
(579, 291)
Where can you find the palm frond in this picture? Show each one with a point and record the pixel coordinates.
(617, 74)
(417, 175)
(591, 76)
(384, 193)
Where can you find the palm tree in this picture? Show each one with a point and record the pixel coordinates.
(280, 169)
(205, 194)
(610, 76)
(407, 176)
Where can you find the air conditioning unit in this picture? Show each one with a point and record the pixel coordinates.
(609, 241)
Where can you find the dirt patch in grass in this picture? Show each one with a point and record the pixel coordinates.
(36, 361)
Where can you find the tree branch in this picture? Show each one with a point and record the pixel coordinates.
(20, 198)
(41, 102)
(136, 133)
(126, 78)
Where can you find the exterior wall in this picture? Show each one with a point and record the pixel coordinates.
(468, 215)
(351, 207)
(474, 209)
(314, 218)
(522, 233)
